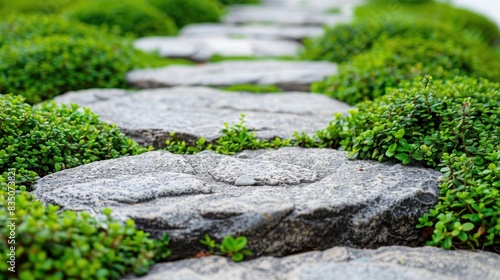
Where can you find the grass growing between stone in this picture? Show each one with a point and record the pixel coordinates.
(252, 88)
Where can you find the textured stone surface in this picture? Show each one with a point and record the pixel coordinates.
(301, 199)
(387, 263)
(203, 48)
(296, 33)
(149, 116)
(283, 16)
(288, 75)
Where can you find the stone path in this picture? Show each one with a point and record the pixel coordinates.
(340, 263)
(288, 75)
(285, 201)
(203, 48)
(149, 116)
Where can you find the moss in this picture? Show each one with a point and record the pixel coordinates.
(184, 12)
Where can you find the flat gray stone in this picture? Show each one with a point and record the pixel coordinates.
(340, 263)
(302, 199)
(288, 75)
(275, 32)
(203, 48)
(283, 15)
(148, 116)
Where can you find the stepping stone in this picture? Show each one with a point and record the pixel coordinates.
(288, 75)
(203, 48)
(149, 116)
(283, 15)
(301, 199)
(297, 33)
(387, 263)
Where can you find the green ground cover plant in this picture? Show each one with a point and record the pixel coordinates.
(73, 245)
(66, 55)
(253, 88)
(37, 141)
(184, 12)
(132, 17)
(389, 62)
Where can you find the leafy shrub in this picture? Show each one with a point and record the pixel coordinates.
(184, 12)
(389, 62)
(72, 245)
(463, 20)
(42, 140)
(342, 42)
(131, 16)
(235, 248)
(235, 138)
(453, 126)
(42, 68)
(26, 27)
(253, 88)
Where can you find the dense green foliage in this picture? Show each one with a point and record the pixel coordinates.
(63, 64)
(71, 245)
(42, 140)
(342, 42)
(235, 138)
(253, 88)
(392, 61)
(184, 12)
(464, 21)
(133, 17)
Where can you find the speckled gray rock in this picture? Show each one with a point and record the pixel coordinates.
(302, 199)
(149, 116)
(340, 263)
(296, 33)
(288, 75)
(203, 48)
(283, 16)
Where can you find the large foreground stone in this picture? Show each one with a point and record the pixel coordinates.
(283, 16)
(203, 48)
(149, 116)
(387, 263)
(288, 75)
(275, 32)
(285, 201)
